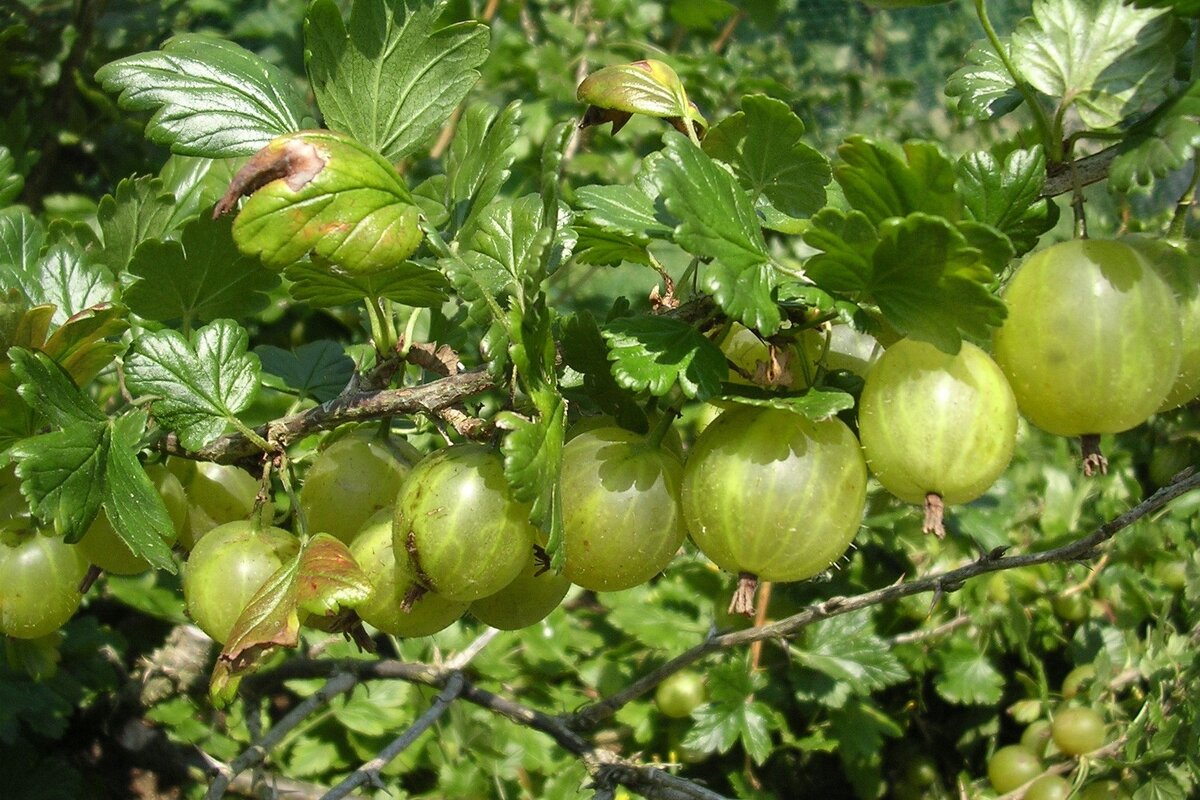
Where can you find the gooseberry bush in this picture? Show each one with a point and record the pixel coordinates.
(533, 399)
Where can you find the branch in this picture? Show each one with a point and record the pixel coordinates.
(1088, 170)
(429, 398)
(258, 752)
(369, 772)
(951, 580)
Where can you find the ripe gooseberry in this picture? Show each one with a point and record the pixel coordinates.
(757, 361)
(464, 535)
(936, 428)
(621, 518)
(1178, 263)
(1012, 766)
(1049, 787)
(680, 694)
(217, 494)
(39, 582)
(392, 582)
(1091, 343)
(530, 598)
(348, 482)
(227, 567)
(771, 494)
(1078, 730)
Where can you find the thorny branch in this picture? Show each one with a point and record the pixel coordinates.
(607, 768)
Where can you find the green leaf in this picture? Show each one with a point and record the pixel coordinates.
(479, 159)
(335, 197)
(197, 387)
(319, 370)
(624, 210)
(49, 389)
(860, 729)
(69, 279)
(815, 404)
(881, 182)
(984, 88)
(392, 76)
(88, 342)
(63, 473)
(201, 278)
(731, 716)
(131, 502)
(407, 283)
(584, 350)
(321, 579)
(717, 221)
(503, 255)
(847, 649)
(848, 242)
(140, 211)
(21, 238)
(1161, 146)
(647, 87)
(11, 181)
(210, 97)
(764, 145)
(1008, 195)
(1101, 57)
(968, 676)
(598, 247)
(532, 462)
(195, 184)
(654, 353)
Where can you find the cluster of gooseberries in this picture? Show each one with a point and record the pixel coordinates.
(1073, 731)
(1096, 340)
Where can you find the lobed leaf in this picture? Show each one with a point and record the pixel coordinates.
(131, 501)
(319, 370)
(140, 210)
(197, 386)
(1007, 194)
(881, 182)
(211, 97)
(479, 160)
(1161, 146)
(391, 76)
(984, 87)
(652, 354)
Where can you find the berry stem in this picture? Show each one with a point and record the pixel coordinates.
(935, 512)
(662, 428)
(1093, 460)
(743, 597)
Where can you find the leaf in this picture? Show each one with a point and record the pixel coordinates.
(1163, 145)
(815, 404)
(860, 729)
(335, 197)
(84, 345)
(70, 280)
(199, 279)
(763, 143)
(21, 238)
(1101, 57)
(390, 77)
(882, 183)
(532, 463)
(11, 181)
(848, 241)
(847, 649)
(131, 501)
(624, 210)
(479, 159)
(62, 475)
(321, 579)
(319, 370)
(968, 676)
(195, 184)
(649, 87)
(653, 353)
(140, 211)
(46, 387)
(717, 221)
(508, 240)
(1008, 195)
(196, 387)
(984, 88)
(210, 97)
(732, 716)
(407, 283)
(584, 350)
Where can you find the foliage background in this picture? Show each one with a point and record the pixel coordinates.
(842, 710)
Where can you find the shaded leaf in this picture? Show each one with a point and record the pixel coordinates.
(847, 650)
(319, 370)
(968, 676)
(196, 387)
(654, 353)
(390, 76)
(324, 192)
(62, 475)
(479, 159)
(199, 279)
(140, 210)
(584, 350)
(881, 182)
(408, 283)
(210, 97)
(1161, 146)
(1008, 195)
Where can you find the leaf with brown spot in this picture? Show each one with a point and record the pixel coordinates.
(322, 579)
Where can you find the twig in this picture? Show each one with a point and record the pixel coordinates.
(1088, 170)
(922, 634)
(369, 772)
(258, 752)
(460, 660)
(950, 580)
